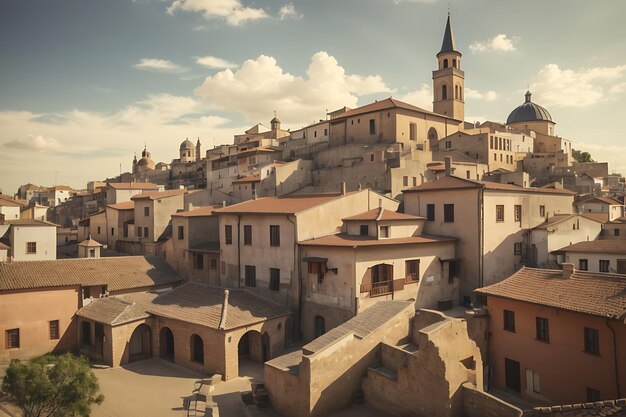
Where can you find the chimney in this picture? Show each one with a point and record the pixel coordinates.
(254, 194)
(343, 188)
(223, 203)
(222, 324)
(568, 269)
(360, 187)
(190, 207)
(380, 203)
(448, 165)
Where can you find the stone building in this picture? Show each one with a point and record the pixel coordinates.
(29, 240)
(608, 256)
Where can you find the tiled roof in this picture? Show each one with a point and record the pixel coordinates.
(598, 217)
(388, 103)
(6, 201)
(556, 219)
(281, 205)
(611, 408)
(597, 246)
(60, 188)
(618, 220)
(250, 178)
(157, 195)
(357, 241)
(584, 292)
(4, 246)
(118, 273)
(197, 212)
(90, 243)
(362, 325)
(605, 200)
(133, 186)
(118, 309)
(29, 222)
(202, 304)
(124, 205)
(450, 182)
(380, 213)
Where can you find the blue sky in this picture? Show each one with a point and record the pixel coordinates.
(85, 83)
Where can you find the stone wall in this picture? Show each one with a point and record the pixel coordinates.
(481, 404)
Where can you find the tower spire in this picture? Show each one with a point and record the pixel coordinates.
(448, 44)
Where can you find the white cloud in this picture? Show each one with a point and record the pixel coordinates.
(477, 95)
(214, 62)
(158, 65)
(233, 11)
(261, 86)
(32, 142)
(423, 97)
(554, 86)
(499, 43)
(288, 11)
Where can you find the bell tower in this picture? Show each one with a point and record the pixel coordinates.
(448, 79)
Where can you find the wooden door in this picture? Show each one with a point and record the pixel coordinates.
(512, 374)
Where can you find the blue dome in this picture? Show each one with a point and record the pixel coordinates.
(529, 112)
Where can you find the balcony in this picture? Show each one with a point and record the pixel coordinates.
(376, 289)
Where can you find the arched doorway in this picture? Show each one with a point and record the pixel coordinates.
(140, 344)
(433, 139)
(197, 348)
(254, 346)
(166, 344)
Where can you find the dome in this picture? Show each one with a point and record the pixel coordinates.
(529, 112)
(146, 162)
(161, 166)
(187, 144)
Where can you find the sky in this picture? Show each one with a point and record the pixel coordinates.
(85, 84)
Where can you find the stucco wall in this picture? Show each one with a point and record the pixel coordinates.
(44, 236)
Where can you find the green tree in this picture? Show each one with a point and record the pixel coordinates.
(585, 157)
(52, 386)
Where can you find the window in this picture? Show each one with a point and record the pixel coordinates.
(31, 247)
(405, 181)
(146, 232)
(412, 270)
(495, 156)
(444, 92)
(500, 213)
(197, 349)
(543, 331)
(86, 333)
(13, 338)
(139, 229)
(274, 235)
(517, 248)
(228, 234)
(274, 279)
(372, 157)
(99, 230)
(509, 320)
(454, 63)
(517, 213)
(146, 211)
(384, 231)
(593, 395)
(430, 212)
(445, 63)
(615, 232)
(364, 230)
(112, 231)
(604, 265)
(414, 181)
(247, 234)
(583, 264)
(592, 341)
(250, 278)
(491, 142)
(318, 268)
(372, 127)
(181, 232)
(468, 175)
(412, 131)
(213, 263)
(92, 253)
(320, 326)
(199, 261)
(542, 211)
(315, 134)
(54, 329)
(325, 132)
(448, 213)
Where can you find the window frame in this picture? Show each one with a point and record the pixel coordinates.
(275, 235)
(542, 329)
(274, 283)
(181, 232)
(372, 126)
(412, 264)
(430, 212)
(499, 213)
(247, 235)
(364, 228)
(508, 320)
(604, 265)
(580, 264)
(517, 212)
(54, 330)
(592, 341)
(146, 211)
(228, 234)
(250, 276)
(448, 213)
(9, 339)
(32, 245)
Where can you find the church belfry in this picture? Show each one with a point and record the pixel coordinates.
(448, 79)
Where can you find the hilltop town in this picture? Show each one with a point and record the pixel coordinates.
(396, 259)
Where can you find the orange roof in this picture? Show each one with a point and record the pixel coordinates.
(597, 246)
(380, 213)
(133, 185)
(355, 241)
(124, 205)
(450, 182)
(584, 292)
(197, 212)
(606, 200)
(250, 178)
(388, 103)
(29, 222)
(7, 201)
(157, 195)
(60, 188)
(281, 205)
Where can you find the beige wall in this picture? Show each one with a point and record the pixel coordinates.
(594, 258)
(97, 228)
(31, 311)
(44, 236)
(574, 230)
(159, 216)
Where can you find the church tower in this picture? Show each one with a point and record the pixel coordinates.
(198, 150)
(449, 80)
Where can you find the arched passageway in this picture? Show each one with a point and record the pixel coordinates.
(166, 344)
(140, 344)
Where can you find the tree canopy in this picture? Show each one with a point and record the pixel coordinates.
(52, 386)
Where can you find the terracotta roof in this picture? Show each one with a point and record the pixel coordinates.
(197, 212)
(605, 200)
(554, 220)
(380, 213)
(281, 205)
(450, 182)
(118, 309)
(202, 304)
(118, 273)
(133, 185)
(90, 243)
(598, 217)
(249, 178)
(610, 408)
(617, 220)
(7, 201)
(158, 194)
(592, 293)
(124, 205)
(29, 222)
(4, 246)
(60, 188)
(597, 246)
(388, 103)
(354, 241)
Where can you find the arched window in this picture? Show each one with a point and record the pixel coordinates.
(444, 92)
(197, 348)
(454, 63)
(445, 63)
(456, 92)
(320, 326)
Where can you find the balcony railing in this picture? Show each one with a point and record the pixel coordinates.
(386, 287)
(411, 278)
